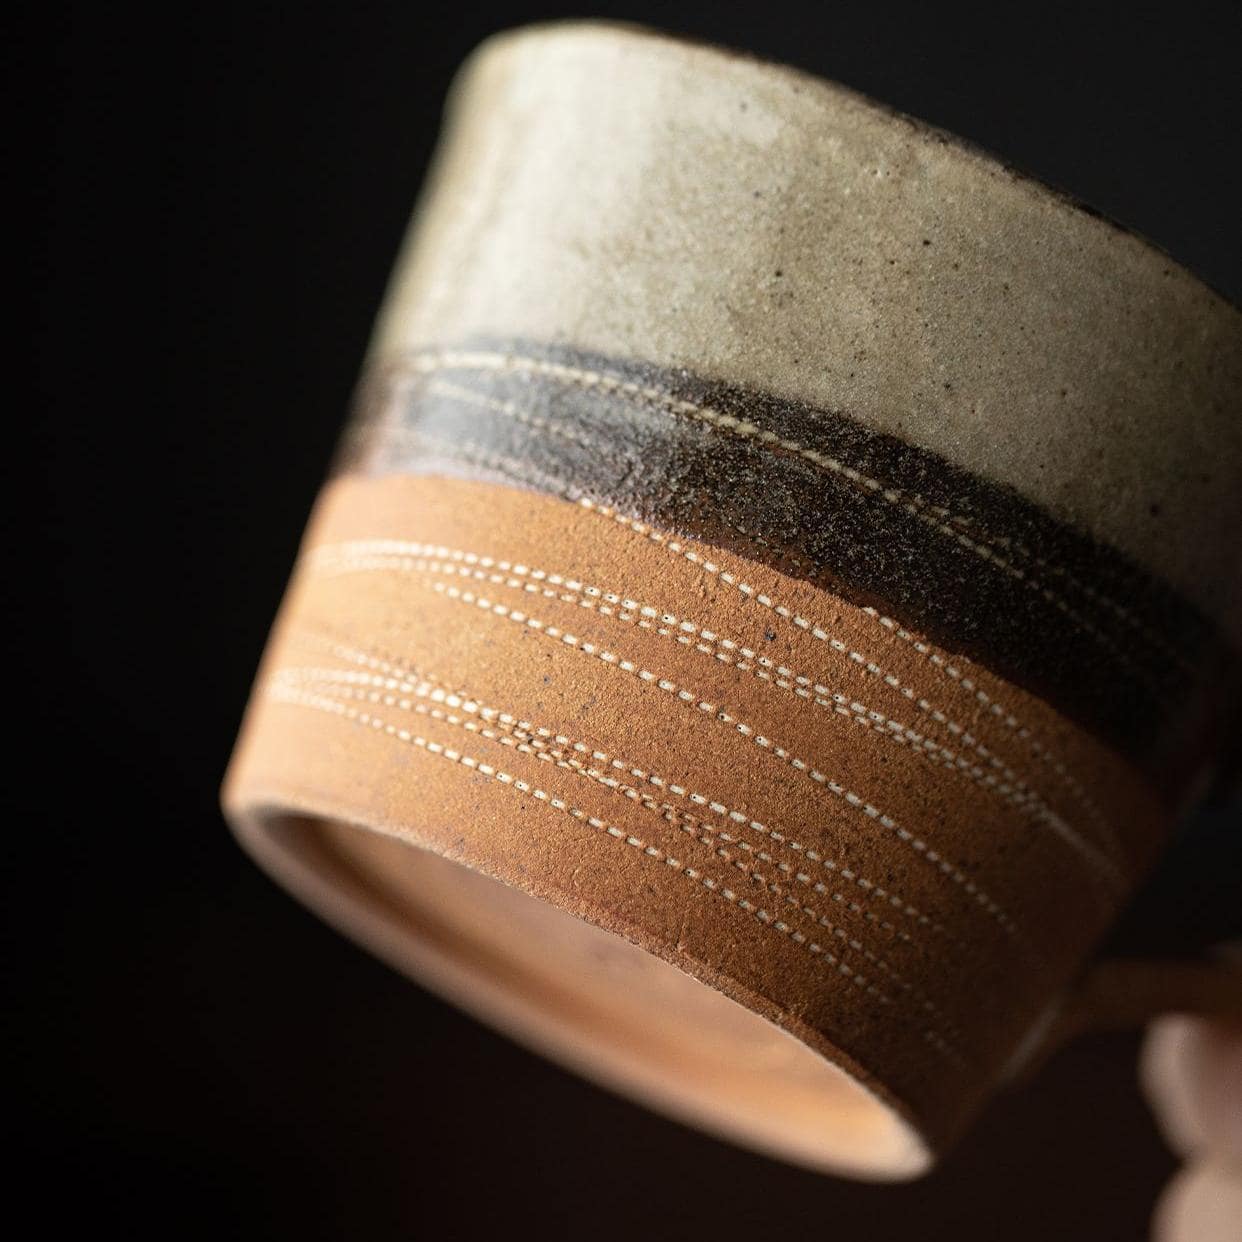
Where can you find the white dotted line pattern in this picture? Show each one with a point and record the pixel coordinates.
(524, 788)
(817, 631)
(1156, 641)
(401, 677)
(713, 711)
(916, 506)
(406, 556)
(688, 824)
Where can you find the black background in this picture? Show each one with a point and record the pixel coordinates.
(219, 192)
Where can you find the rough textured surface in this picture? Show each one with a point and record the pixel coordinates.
(748, 776)
(653, 199)
(982, 570)
(847, 771)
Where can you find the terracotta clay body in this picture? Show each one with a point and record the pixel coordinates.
(767, 612)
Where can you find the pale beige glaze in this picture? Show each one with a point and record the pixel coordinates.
(660, 200)
(719, 837)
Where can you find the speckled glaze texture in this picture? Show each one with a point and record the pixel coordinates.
(771, 603)
(822, 498)
(658, 200)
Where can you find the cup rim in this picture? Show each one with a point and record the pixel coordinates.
(989, 162)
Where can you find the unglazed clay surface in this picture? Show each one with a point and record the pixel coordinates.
(779, 544)
(893, 853)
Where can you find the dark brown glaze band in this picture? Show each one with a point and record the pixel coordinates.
(974, 565)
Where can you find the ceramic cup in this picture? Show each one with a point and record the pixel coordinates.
(772, 603)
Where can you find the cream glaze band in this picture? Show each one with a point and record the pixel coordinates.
(656, 199)
(710, 817)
